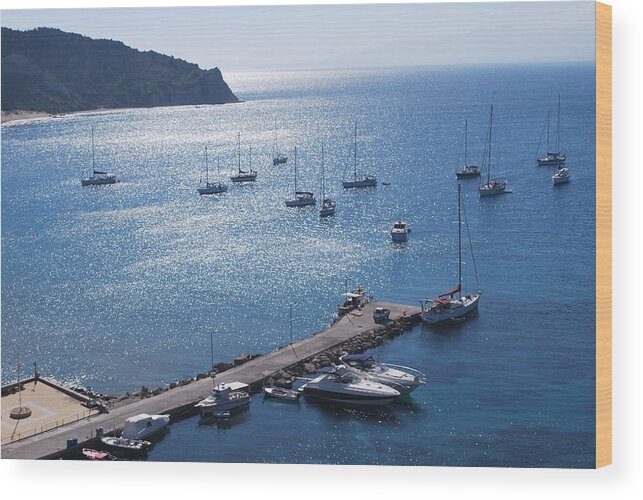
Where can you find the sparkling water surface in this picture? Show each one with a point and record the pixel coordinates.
(121, 286)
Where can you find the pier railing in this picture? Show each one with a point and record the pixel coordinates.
(47, 426)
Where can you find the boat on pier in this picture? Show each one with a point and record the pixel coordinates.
(355, 299)
(143, 426)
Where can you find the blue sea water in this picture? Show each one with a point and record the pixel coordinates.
(121, 286)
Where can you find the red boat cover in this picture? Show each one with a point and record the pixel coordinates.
(451, 292)
(441, 301)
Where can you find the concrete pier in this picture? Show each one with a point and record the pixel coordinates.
(182, 399)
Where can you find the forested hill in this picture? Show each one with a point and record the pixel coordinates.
(53, 71)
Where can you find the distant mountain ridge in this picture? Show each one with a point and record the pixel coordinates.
(53, 71)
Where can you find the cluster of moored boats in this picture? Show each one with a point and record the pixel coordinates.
(495, 186)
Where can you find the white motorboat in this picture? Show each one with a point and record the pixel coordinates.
(224, 398)
(281, 393)
(401, 378)
(493, 186)
(361, 181)
(211, 187)
(467, 170)
(400, 231)
(278, 159)
(143, 426)
(555, 158)
(355, 299)
(344, 386)
(302, 198)
(98, 177)
(561, 176)
(452, 304)
(126, 445)
(328, 206)
(243, 175)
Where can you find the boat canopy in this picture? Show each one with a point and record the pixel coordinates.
(353, 295)
(450, 292)
(441, 301)
(356, 357)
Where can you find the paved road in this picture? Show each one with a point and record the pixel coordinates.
(251, 372)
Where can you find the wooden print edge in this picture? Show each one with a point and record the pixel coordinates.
(603, 234)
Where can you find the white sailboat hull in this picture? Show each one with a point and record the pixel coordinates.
(99, 181)
(213, 189)
(457, 308)
(244, 177)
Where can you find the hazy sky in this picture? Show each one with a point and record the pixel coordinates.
(339, 36)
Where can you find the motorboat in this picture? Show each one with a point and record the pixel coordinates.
(561, 176)
(302, 198)
(493, 186)
(467, 170)
(98, 455)
(555, 158)
(211, 187)
(143, 426)
(126, 445)
(98, 177)
(401, 378)
(355, 299)
(342, 385)
(225, 398)
(453, 304)
(281, 393)
(400, 231)
(358, 181)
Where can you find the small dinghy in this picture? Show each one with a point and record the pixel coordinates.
(281, 393)
(98, 455)
(126, 445)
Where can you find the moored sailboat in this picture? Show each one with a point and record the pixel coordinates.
(467, 170)
(453, 304)
(362, 181)
(328, 206)
(492, 186)
(302, 198)
(211, 187)
(98, 177)
(243, 175)
(555, 158)
(278, 159)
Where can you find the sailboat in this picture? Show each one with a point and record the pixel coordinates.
(211, 187)
(328, 205)
(244, 175)
(302, 198)
(467, 170)
(98, 177)
(278, 159)
(553, 158)
(453, 304)
(362, 181)
(492, 186)
(562, 176)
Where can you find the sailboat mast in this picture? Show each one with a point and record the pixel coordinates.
(459, 243)
(295, 169)
(323, 184)
(355, 156)
(207, 177)
(93, 158)
(558, 128)
(490, 129)
(239, 149)
(465, 142)
(276, 146)
(547, 152)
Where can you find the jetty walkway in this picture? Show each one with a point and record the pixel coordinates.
(181, 399)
